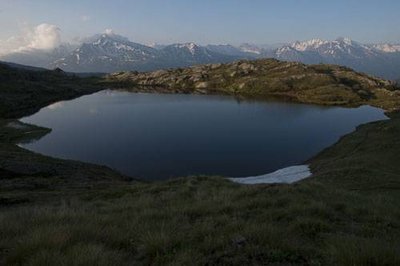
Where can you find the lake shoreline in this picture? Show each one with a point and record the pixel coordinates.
(25, 131)
(338, 205)
(206, 124)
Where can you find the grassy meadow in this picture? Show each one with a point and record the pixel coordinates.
(57, 212)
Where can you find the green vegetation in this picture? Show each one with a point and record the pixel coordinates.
(205, 220)
(57, 212)
(24, 92)
(318, 84)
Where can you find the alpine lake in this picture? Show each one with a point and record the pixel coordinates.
(162, 136)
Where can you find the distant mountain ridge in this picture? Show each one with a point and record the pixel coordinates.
(381, 60)
(112, 53)
(104, 54)
(109, 52)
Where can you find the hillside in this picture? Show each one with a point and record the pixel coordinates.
(318, 84)
(23, 67)
(24, 90)
(54, 211)
(346, 214)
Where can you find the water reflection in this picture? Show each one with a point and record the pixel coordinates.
(155, 136)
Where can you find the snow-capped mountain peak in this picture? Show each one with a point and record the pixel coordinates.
(106, 51)
(250, 48)
(109, 38)
(190, 46)
(109, 52)
(339, 48)
(387, 48)
(307, 45)
(345, 40)
(319, 44)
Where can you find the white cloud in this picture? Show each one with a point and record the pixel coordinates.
(42, 37)
(45, 36)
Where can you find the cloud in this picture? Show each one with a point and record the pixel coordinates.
(45, 36)
(42, 37)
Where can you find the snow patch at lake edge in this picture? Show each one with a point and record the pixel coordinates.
(286, 175)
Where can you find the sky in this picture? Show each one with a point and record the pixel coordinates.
(44, 23)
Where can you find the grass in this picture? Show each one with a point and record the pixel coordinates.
(204, 220)
(366, 160)
(24, 92)
(346, 214)
(56, 212)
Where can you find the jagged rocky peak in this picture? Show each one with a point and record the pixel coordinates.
(315, 44)
(107, 38)
(346, 41)
(190, 46)
(306, 45)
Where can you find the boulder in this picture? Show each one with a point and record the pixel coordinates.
(215, 66)
(202, 85)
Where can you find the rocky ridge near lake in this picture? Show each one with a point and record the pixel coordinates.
(319, 84)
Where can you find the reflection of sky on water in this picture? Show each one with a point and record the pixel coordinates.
(157, 136)
(56, 105)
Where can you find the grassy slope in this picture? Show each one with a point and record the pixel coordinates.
(205, 221)
(369, 157)
(24, 92)
(347, 213)
(319, 84)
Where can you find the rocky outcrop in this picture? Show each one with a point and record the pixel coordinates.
(320, 84)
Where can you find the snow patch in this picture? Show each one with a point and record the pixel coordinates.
(388, 48)
(188, 46)
(286, 175)
(121, 46)
(307, 45)
(250, 48)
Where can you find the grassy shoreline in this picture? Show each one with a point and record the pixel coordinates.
(57, 212)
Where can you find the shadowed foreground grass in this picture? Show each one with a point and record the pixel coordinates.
(205, 220)
(346, 214)
(56, 212)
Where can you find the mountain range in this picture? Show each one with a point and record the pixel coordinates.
(110, 52)
(377, 59)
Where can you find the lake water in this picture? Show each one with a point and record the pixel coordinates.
(159, 136)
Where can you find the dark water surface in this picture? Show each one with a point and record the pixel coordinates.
(155, 136)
